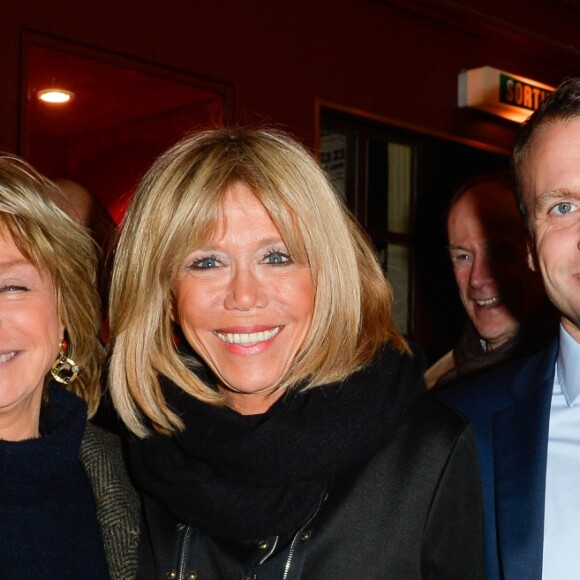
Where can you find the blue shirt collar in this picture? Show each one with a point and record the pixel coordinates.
(568, 367)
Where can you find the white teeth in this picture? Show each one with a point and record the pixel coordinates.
(251, 338)
(488, 302)
(6, 357)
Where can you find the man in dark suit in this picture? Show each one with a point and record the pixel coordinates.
(526, 414)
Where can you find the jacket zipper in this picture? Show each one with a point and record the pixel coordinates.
(183, 553)
(298, 536)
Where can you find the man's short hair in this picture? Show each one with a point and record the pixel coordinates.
(561, 105)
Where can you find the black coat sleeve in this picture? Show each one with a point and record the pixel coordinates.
(453, 535)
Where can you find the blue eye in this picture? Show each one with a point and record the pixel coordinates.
(277, 257)
(13, 288)
(563, 208)
(205, 263)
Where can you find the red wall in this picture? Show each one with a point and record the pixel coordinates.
(395, 59)
(392, 60)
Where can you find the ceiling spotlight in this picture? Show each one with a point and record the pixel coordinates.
(56, 96)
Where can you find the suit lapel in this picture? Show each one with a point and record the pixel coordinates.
(520, 455)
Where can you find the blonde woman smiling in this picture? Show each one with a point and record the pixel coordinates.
(67, 509)
(282, 434)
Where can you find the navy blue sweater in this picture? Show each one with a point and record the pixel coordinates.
(48, 525)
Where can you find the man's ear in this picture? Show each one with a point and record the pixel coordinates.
(532, 263)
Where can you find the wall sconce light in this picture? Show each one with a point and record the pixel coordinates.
(55, 96)
(499, 93)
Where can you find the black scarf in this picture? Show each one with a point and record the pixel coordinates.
(248, 477)
(471, 357)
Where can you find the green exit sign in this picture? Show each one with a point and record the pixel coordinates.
(515, 92)
(500, 93)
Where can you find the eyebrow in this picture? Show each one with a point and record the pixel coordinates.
(14, 263)
(548, 196)
(211, 245)
(493, 242)
(272, 241)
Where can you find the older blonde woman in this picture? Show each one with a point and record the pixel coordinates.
(284, 435)
(66, 507)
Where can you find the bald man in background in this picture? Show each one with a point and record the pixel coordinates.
(508, 313)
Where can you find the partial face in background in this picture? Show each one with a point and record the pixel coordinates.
(551, 187)
(487, 244)
(30, 333)
(244, 305)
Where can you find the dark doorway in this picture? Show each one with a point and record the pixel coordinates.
(398, 184)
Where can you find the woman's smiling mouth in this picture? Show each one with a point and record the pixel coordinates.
(250, 338)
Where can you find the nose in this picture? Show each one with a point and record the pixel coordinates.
(481, 273)
(245, 291)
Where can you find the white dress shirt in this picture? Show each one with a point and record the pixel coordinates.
(562, 513)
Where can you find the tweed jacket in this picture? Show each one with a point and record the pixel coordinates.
(118, 505)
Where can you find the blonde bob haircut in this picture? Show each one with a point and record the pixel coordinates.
(56, 245)
(174, 211)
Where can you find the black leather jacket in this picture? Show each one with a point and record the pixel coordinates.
(180, 559)
(413, 511)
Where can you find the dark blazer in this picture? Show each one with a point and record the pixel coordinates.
(413, 511)
(509, 409)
